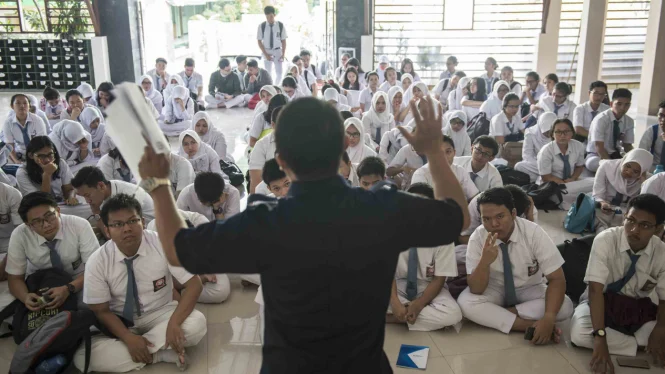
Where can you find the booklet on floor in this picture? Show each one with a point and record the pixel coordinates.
(413, 356)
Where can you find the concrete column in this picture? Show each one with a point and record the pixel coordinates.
(547, 46)
(118, 22)
(590, 49)
(652, 88)
(350, 20)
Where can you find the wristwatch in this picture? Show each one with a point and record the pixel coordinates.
(151, 184)
(599, 332)
(71, 288)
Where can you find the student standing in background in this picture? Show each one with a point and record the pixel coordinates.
(272, 42)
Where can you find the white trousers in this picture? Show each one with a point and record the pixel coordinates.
(215, 293)
(487, 309)
(213, 101)
(112, 355)
(276, 54)
(592, 162)
(618, 343)
(174, 129)
(530, 168)
(441, 312)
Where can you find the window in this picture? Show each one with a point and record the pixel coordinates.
(458, 15)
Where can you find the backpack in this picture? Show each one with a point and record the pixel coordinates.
(515, 83)
(581, 215)
(512, 176)
(233, 171)
(654, 130)
(575, 253)
(445, 84)
(547, 196)
(281, 28)
(478, 126)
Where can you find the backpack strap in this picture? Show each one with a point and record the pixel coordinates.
(515, 83)
(281, 28)
(263, 28)
(445, 84)
(307, 80)
(654, 129)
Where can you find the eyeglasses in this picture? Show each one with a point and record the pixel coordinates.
(564, 132)
(512, 106)
(479, 151)
(47, 157)
(119, 225)
(353, 135)
(49, 217)
(630, 221)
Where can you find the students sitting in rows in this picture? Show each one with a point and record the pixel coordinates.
(445, 86)
(73, 143)
(48, 239)
(151, 92)
(455, 127)
(371, 171)
(494, 104)
(357, 149)
(390, 79)
(395, 98)
(419, 297)
(460, 92)
(652, 139)
(202, 157)
(424, 175)
(526, 286)
(224, 90)
(507, 125)
(616, 182)
(114, 167)
(451, 68)
(507, 76)
(535, 138)
(611, 131)
(93, 122)
(263, 151)
(407, 68)
(367, 94)
(178, 112)
(334, 98)
(586, 112)
(76, 106)
(21, 126)
(211, 196)
(261, 125)
(625, 277)
(10, 200)
(130, 283)
(561, 160)
(474, 98)
(377, 120)
(483, 174)
(490, 75)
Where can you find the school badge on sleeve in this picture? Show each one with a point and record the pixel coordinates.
(413, 356)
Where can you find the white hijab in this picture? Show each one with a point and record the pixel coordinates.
(66, 134)
(391, 95)
(459, 94)
(214, 138)
(168, 91)
(202, 159)
(360, 151)
(494, 105)
(461, 137)
(88, 115)
(332, 94)
(86, 90)
(261, 106)
(382, 119)
(152, 93)
(404, 76)
(409, 93)
(613, 171)
(545, 122)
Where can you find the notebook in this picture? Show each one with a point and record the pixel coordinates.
(413, 357)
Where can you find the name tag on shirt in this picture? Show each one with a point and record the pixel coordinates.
(159, 284)
(533, 269)
(4, 218)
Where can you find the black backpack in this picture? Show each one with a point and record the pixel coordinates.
(515, 83)
(478, 126)
(547, 196)
(281, 29)
(233, 171)
(512, 176)
(575, 253)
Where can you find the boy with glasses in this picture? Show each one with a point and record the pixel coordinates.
(585, 113)
(482, 173)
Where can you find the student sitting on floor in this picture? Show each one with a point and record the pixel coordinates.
(390, 75)
(622, 310)
(586, 112)
(405, 163)
(202, 157)
(367, 94)
(151, 92)
(178, 112)
(562, 159)
(535, 138)
(419, 297)
(508, 77)
(455, 127)
(474, 99)
(53, 105)
(507, 125)
(349, 171)
(10, 200)
(263, 151)
(526, 286)
(377, 119)
(130, 283)
(391, 142)
(652, 139)
(21, 126)
(483, 174)
(209, 134)
(275, 179)
(72, 142)
(114, 167)
(224, 90)
(494, 104)
(262, 123)
(371, 171)
(557, 103)
(455, 96)
(655, 185)
(211, 196)
(334, 98)
(445, 86)
(357, 149)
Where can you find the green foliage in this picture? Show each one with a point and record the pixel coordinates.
(71, 21)
(35, 20)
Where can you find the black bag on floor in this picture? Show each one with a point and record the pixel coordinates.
(547, 196)
(512, 176)
(576, 254)
(234, 173)
(478, 126)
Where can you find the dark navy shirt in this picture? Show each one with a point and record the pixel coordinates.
(327, 255)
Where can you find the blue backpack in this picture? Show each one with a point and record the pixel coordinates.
(581, 215)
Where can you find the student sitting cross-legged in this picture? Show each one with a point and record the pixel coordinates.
(211, 196)
(515, 277)
(624, 308)
(419, 297)
(128, 285)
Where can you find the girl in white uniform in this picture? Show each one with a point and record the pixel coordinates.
(507, 126)
(494, 104)
(507, 76)
(349, 171)
(295, 72)
(407, 68)
(291, 89)
(73, 144)
(357, 148)
(175, 80)
(368, 93)
(210, 135)
(395, 98)
(266, 93)
(352, 81)
(333, 97)
(455, 97)
(378, 120)
(406, 80)
(456, 128)
(114, 167)
(88, 93)
(535, 138)
(490, 75)
(474, 99)
(617, 181)
(391, 79)
(178, 112)
(199, 154)
(151, 93)
(261, 125)
(93, 123)
(34, 108)
(417, 90)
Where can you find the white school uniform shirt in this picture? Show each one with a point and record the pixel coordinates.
(547, 105)
(188, 200)
(366, 98)
(26, 185)
(583, 114)
(13, 134)
(424, 175)
(259, 125)
(278, 35)
(534, 141)
(308, 79)
(532, 254)
(28, 251)
(469, 111)
(106, 276)
(391, 142)
(516, 89)
(487, 178)
(192, 83)
(491, 107)
(386, 86)
(486, 78)
(407, 156)
(537, 94)
(194, 218)
(147, 205)
(58, 109)
(181, 173)
(10, 199)
(443, 93)
(501, 126)
(111, 168)
(655, 185)
(474, 216)
(647, 140)
(609, 262)
(316, 70)
(549, 161)
(602, 129)
(157, 80)
(264, 150)
(432, 262)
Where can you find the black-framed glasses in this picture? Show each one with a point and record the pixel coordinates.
(49, 217)
(642, 225)
(479, 151)
(46, 157)
(564, 132)
(353, 135)
(119, 225)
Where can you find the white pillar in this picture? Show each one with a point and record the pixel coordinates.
(652, 88)
(547, 46)
(100, 59)
(590, 50)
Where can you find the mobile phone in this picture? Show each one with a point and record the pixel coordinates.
(633, 362)
(528, 335)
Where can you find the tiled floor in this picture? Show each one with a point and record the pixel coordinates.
(233, 344)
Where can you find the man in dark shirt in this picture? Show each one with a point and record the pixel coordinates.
(224, 88)
(327, 252)
(256, 78)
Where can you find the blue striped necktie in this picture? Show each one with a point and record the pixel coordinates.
(510, 295)
(132, 294)
(412, 274)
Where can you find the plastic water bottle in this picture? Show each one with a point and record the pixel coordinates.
(52, 365)
(659, 169)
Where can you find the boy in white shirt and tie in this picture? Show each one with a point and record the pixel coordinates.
(585, 113)
(482, 173)
(211, 196)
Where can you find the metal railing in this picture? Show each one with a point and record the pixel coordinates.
(64, 18)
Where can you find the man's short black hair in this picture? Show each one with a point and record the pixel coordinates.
(73, 92)
(372, 166)
(597, 84)
(118, 202)
(310, 138)
(563, 87)
(649, 203)
(452, 59)
(253, 64)
(533, 75)
(223, 63)
(662, 104)
(240, 59)
(553, 77)
(346, 114)
(51, 93)
(16, 96)
(209, 187)
(488, 142)
(295, 59)
(271, 172)
(422, 189)
(449, 140)
(497, 196)
(89, 176)
(33, 200)
(269, 10)
(305, 52)
(161, 59)
(189, 62)
(622, 93)
(520, 198)
(460, 74)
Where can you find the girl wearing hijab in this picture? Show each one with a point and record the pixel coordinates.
(391, 79)
(349, 171)
(261, 126)
(617, 181)
(406, 80)
(333, 97)
(330, 84)
(151, 107)
(210, 135)
(475, 98)
(178, 112)
(106, 145)
(34, 109)
(357, 149)
(455, 97)
(291, 89)
(395, 97)
(73, 144)
(265, 94)
(535, 138)
(378, 120)
(494, 103)
(92, 122)
(175, 80)
(151, 93)
(456, 128)
(88, 93)
(366, 94)
(114, 167)
(295, 72)
(199, 154)
(418, 90)
(407, 68)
